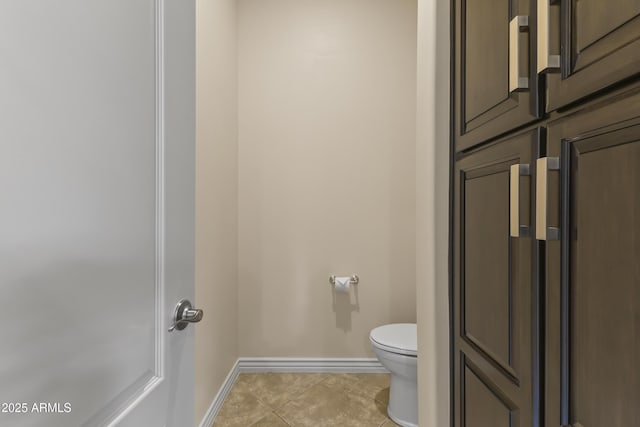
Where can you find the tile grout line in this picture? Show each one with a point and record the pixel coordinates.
(271, 408)
(271, 413)
(282, 418)
(248, 391)
(255, 396)
(275, 410)
(321, 380)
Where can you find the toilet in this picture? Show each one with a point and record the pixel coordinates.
(396, 347)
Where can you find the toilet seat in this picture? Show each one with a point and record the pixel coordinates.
(398, 338)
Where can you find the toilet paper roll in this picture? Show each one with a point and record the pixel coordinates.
(343, 284)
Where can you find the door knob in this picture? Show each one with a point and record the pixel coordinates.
(185, 314)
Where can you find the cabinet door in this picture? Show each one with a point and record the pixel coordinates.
(600, 44)
(593, 271)
(485, 107)
(495, 290)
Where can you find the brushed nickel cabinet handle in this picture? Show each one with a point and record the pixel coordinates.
(515, 228)
(518, 78)
(543, 166)
(546, 61)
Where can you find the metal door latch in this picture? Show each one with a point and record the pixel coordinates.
(185, 314)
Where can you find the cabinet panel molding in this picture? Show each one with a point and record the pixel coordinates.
(592, 276)
(496, 328)
(600, 44)
(485, 106)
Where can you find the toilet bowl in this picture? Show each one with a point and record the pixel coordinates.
(396, 347)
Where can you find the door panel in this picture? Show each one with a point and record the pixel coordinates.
(593, 298)
(603, 372)
(493, 88)
(485, 107)
(484, 407)
(600, 41)
(92, 203)
(495, 294)
(598, 19)
(487, 288)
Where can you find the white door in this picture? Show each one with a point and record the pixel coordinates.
(96, 212)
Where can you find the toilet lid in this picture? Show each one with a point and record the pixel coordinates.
(401, 338)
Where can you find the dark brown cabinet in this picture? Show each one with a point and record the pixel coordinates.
(563, 52)
(601, 45)
(485, 106)
(593, 274)
(495, 298)
(545, 236)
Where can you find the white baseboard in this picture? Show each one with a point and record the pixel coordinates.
(310, 365)
(288, 365)
(213, 410)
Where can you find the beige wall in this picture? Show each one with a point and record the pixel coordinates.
(432, 195)
(327, 182)
(216, 197)
(327, 173)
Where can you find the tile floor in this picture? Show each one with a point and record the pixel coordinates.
(303, 400)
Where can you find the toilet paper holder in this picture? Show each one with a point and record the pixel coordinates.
(354, 279)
